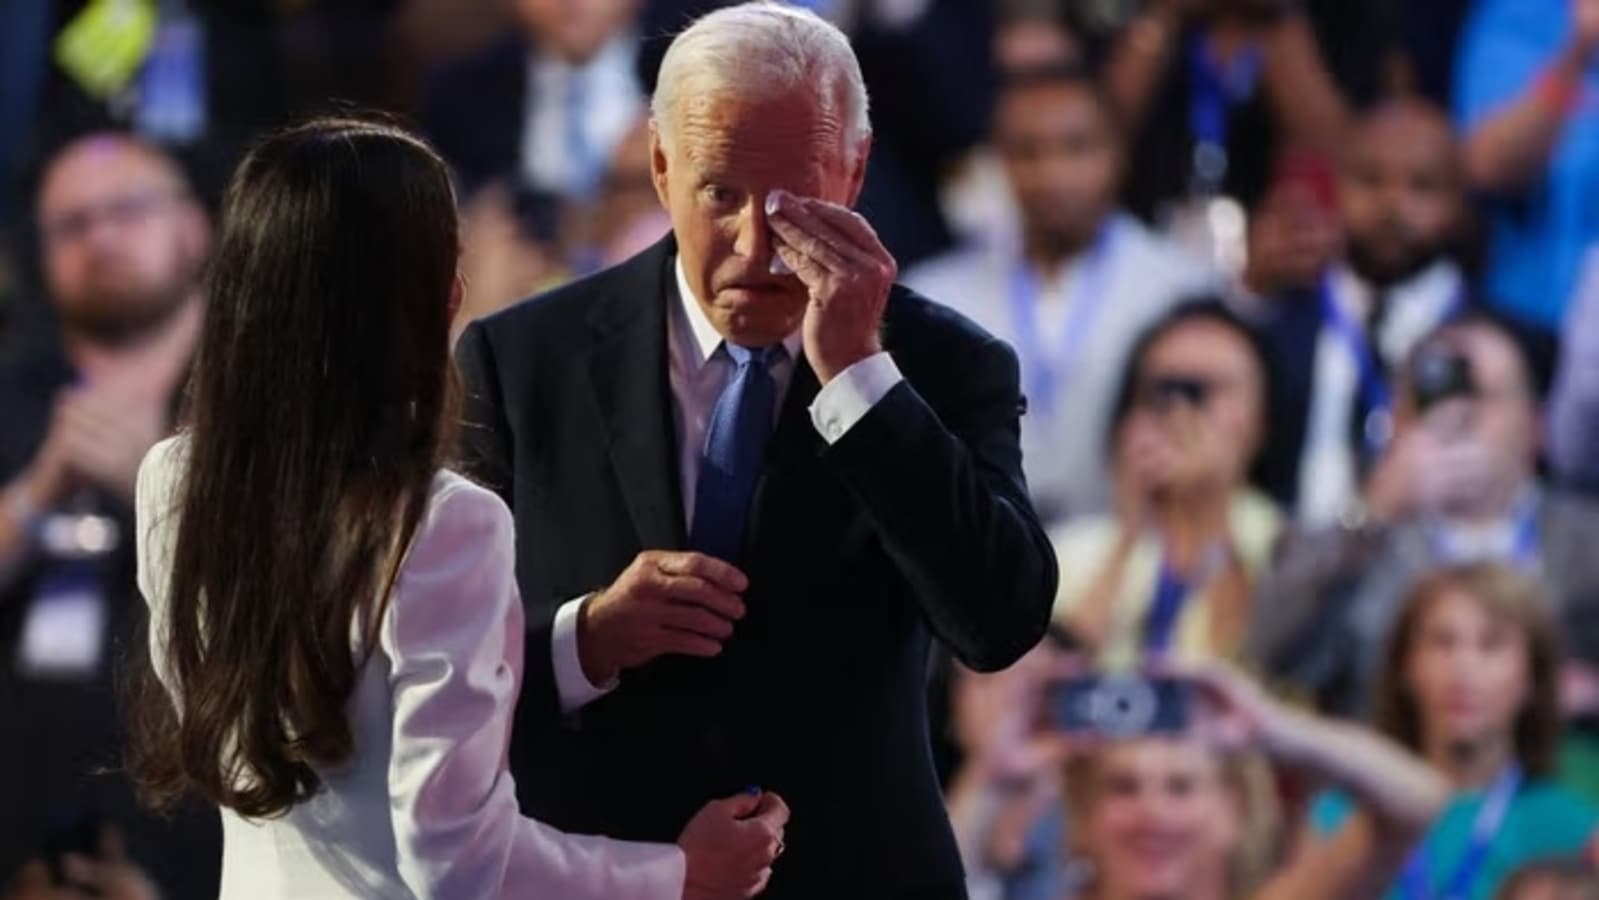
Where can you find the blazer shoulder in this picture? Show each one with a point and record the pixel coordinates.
(916, 315)
(919, 328)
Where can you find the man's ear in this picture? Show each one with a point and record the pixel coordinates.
(857, 178)
(658, 165)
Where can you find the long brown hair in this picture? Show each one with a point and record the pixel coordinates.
(318, 414)
(1506, 594)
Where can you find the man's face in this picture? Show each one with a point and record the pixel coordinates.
(121, 237)
(1061, 156)
(574, 30)
(727, 154)
(1400, 192)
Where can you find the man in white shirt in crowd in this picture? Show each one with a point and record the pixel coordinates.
(1076, 288)
(1339, 336)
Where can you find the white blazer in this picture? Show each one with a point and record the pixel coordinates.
(426, 807)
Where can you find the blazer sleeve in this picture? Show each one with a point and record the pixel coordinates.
(452, 637)
(949, 502)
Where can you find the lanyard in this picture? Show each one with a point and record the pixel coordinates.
(1092, 282)
(1376, 396)
(1171, 595)
(1214, 91)
(1165, 608)
(1415, 883)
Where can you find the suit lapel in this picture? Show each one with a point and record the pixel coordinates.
(628, 373)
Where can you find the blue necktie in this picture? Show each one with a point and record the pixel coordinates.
(735, 450)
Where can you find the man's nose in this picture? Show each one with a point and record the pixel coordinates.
(754, 241)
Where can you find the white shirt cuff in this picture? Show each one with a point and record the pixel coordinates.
(570, 683)
(849, 397)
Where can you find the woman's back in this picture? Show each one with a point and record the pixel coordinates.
(447, 666)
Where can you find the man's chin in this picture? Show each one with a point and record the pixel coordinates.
(758, 318)
(1385, 269)
(120, 317)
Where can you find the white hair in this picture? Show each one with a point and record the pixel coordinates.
(765, 49)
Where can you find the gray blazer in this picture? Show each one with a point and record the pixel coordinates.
(1324, 610)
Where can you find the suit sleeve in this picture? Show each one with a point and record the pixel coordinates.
(452, 641)
(949, 502)
(1299, 628)
(486, 455)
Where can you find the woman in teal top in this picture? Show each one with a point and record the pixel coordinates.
(1470, 682)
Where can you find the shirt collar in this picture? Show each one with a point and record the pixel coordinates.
(704, 338)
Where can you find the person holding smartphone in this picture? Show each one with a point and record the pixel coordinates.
(1191, 813)
(1172, 571)
(1457, 483)
(1055, 805)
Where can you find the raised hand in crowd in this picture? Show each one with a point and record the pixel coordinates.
(107, 875)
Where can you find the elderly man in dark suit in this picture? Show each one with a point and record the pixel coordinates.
(751, 478)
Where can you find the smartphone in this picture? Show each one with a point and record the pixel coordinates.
(1121, 705)
(1437, 374)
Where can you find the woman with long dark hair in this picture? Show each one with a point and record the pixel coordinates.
(336, 639)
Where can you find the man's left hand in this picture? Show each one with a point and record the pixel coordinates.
(846, 269)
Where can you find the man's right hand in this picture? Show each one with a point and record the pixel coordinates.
(663, 603)
(730, 846)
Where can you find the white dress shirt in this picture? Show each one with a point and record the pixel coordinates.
(1328, 482)
(1143, 276)
(426, 807)
(611, 102)
(700, 369)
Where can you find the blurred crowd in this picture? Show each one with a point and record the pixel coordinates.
(1305, 295)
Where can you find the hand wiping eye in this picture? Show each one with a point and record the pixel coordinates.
(777, 266)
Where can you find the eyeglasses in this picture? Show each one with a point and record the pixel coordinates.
(126, 209)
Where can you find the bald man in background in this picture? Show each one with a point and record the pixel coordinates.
(122, 241)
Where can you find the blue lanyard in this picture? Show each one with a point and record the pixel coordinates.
(1214, 91)
(1416, 883)
(1165, 608)
(1375, 394)
(1092, 283)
